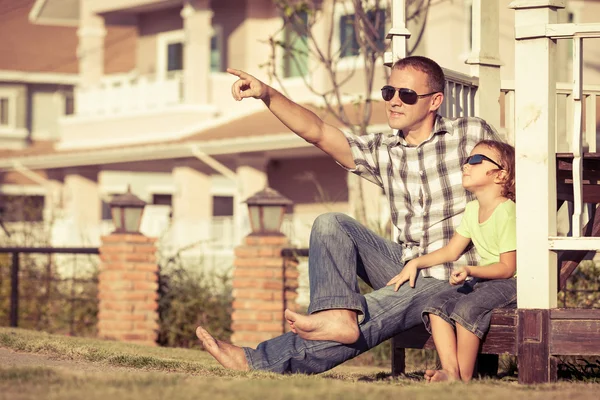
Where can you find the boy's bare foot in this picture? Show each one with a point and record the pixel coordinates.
(228, 355)
(335, 325)
(440, 376)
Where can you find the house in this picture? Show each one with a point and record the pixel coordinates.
(152, 110)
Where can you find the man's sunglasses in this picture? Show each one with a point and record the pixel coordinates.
(408, 96)
(478, 159)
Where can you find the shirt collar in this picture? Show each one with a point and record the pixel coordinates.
(441, 125)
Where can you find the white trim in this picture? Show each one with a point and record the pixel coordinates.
(113, 189)
(22, 190)
(162, 41)
(39, 77)
(13, 133)
(167, 188)
(573, 243)
(223, 191)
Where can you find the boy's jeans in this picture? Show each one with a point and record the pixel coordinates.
(341, 248)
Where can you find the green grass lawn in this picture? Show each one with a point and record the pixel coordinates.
(125, 371)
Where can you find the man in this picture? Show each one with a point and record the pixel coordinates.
(419, 170)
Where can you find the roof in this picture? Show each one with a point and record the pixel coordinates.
(30, 47)
(258, 131)
(33, 48)
(265, 123)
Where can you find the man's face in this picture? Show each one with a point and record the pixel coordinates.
(404, 116)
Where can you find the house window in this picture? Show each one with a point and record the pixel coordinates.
(69, 104)
(170, 53)
(348, 42)
(295, 57)
(105, 206)
(162, 199)
(222, 206)
(21, 208)
(175, 57)
(4, 111)
(216, 49)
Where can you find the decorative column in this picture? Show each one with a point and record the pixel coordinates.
(192, 204)
(90, 50)
(128, 289)
(535, 130)
(264, 282)
(485, 59)
(82, 205)
(197, 22)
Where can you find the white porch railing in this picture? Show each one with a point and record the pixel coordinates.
(564, 115)
(459, 95)
(122, 94)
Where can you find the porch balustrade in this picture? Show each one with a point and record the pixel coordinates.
(123, 94)
(459, 95)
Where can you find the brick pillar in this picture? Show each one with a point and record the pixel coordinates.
(264, 285)
(128, 289)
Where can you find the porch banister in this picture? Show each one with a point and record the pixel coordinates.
(577, 137)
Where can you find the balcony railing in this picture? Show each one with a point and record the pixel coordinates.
(125, 94)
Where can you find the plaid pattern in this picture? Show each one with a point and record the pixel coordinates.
(423, 183)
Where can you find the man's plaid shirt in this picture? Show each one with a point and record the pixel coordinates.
(423, 183)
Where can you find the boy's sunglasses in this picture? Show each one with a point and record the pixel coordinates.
(478, 159)
(408, 96)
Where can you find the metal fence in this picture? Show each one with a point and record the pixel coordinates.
(50, 289)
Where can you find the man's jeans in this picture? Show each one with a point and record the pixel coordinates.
(341, 248)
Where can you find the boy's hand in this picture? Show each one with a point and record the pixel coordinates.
(408, 273)
(247, 86)
(459, 275)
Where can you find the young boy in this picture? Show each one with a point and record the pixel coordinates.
(459, 317)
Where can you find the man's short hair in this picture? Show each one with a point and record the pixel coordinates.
(436, 78)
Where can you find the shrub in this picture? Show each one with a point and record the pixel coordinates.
(188, 299)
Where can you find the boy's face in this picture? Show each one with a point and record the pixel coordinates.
(404, 116)
(481, 173)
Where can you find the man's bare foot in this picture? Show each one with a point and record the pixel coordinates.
(228, 355)
(440, 376)
(335, 325)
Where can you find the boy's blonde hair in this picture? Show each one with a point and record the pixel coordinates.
(507, 160)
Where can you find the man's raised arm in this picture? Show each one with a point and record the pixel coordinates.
(298, 119)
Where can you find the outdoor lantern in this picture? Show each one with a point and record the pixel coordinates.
(267, 209)
(127, 210)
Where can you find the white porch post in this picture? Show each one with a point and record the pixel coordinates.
(535, 94)
(90, 49)
(252, 177)
(82, 205)
(197, 22)
(53, 200)
(192, 205)
(485, 59)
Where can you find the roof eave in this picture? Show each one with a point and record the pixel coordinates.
(36, 16)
